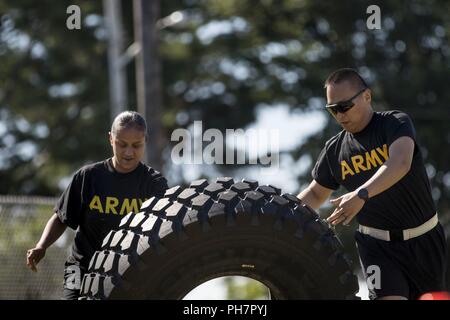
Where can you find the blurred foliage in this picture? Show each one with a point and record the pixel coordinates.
(243, 288)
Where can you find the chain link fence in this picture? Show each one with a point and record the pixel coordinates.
(22, 220)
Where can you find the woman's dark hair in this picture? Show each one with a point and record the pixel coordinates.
(128, 119)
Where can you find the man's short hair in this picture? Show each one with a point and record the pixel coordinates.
(128, 119)
(346, 74)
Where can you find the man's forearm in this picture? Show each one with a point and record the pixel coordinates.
(308, 197)
(386, 176)
(52, 231)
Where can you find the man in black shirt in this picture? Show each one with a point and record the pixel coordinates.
(98, 197)
(377, 159)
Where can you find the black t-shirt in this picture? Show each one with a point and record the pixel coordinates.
(351, 159)
(98, 197)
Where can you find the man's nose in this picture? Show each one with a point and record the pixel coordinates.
(128, 151)
(340, 116)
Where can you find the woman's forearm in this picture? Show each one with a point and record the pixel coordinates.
(52, 231)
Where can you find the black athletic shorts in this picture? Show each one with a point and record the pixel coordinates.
(73, 275)
(406, 268)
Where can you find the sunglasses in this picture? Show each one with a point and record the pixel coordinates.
(342, 106)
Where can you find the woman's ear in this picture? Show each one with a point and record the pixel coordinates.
(110, 138)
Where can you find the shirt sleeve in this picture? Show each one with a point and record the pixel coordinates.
(70, 205)
(322, 172)
(158, 184)
(398, 125)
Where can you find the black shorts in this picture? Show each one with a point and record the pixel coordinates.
(406, 268)
(73, 275)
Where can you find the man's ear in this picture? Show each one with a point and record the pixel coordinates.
(368, 95)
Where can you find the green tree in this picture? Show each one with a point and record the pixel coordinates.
(54, 112)
(231, 56)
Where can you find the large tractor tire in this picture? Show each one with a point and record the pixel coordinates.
(220, 229)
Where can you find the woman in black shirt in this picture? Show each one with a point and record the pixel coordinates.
(98, 197)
